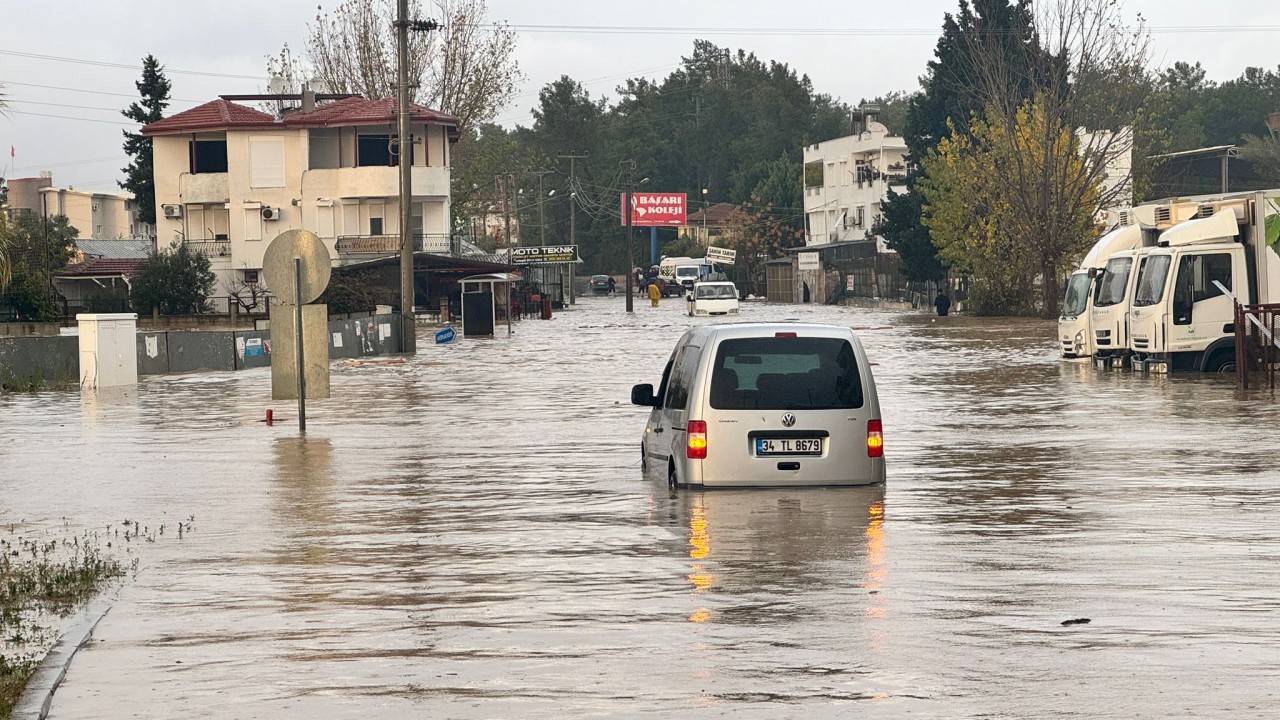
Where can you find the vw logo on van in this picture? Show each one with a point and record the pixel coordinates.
(788, 419)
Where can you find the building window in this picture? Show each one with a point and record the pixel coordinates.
(208, 156)
(266, 162)
(378, 150)
(250, 277)
(375, 226)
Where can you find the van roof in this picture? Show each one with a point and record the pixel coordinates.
(767, 329)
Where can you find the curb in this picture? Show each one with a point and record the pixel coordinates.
(35, 700)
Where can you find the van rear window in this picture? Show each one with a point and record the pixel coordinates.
(794, 373)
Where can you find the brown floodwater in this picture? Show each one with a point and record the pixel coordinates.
(469, 535)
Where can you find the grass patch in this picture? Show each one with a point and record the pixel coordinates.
(42, 579)
(32, 382)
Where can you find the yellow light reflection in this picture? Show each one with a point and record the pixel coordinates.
(876, 569)
(699, 549)
(701, 580)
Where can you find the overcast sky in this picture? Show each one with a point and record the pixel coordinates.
(64, 106)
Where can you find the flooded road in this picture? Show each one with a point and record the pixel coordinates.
(469, 535)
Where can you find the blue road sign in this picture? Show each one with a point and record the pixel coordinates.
(445, 335)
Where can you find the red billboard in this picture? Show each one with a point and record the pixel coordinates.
(650, 209)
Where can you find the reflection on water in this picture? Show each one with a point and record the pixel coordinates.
(761, 539)
(468, 535)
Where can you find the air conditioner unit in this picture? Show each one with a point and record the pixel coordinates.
(172, 211)
(270, 213)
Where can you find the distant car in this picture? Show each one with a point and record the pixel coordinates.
(599, 284)
(669, 288)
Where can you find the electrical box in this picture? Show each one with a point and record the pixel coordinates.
(108, 350)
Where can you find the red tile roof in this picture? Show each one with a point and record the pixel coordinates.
(102, 267)
(214, 115)
(362, 111)
(222, 114)
(715, 214)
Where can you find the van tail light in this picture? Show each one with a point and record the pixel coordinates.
(875, 439)
(697, 430)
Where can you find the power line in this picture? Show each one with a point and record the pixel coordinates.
(124, 66)
(82, 90)
(68, 117)
(113, 158)
(860, 32)
(62, 105)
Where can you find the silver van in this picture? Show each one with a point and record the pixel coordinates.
(764, 404)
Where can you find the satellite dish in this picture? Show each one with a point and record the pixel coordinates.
(277, 85)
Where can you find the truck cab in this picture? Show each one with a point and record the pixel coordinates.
(1180, 319)
(1075, 330)
(1109, 316)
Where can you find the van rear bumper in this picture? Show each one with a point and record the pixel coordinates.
(790, 472)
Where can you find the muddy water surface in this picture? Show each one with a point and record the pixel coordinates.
(468, 535)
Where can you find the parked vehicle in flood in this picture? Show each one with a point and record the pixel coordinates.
(1183, 316)
(713, 298)
(767, 404)
(1075, 331)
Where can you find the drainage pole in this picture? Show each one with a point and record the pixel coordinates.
(297, 319)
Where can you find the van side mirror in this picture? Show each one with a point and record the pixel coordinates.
(642, 395)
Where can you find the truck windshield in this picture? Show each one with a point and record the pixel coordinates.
(1151, 277)
(1077, 295)
(1115, 279)
(688, 271)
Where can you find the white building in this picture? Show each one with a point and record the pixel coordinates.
(845, 180)
(230, 178)
(94, 215)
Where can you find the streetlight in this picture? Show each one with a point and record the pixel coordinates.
(626, 210)
(705, 206)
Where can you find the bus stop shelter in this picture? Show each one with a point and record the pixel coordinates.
(486, 300)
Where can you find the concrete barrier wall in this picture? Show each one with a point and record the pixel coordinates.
(52, 360)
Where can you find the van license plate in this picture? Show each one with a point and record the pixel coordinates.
(788, 446)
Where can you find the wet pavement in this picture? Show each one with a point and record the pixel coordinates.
(469, 535)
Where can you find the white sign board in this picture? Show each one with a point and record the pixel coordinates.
(721, 255)
(808, 261)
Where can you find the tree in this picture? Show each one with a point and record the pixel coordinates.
(37, 248)
(1263, 153)
(466, 68)
(758, 235)
(139, 175)
(6, 241)
(947, 100)
(1006, 235)
(1086, 72)
(901, 227)
(177, 282)
(139, 179)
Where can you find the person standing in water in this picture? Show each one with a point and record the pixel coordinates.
(654, 293)
(942, 303)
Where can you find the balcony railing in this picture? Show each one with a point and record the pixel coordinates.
(390, 244)
(209, 248)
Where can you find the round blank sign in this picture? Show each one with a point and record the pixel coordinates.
(277, 265)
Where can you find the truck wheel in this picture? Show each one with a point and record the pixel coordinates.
(1221, 362)
(671, 477)
(644, 459)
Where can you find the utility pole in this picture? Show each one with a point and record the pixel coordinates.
(404, 156)
(573, 155)
(504, 185)
(542, 223)
(630, 168)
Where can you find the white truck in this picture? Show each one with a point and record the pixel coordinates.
(1180, 319)
(1075, 331)
(684, 270)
